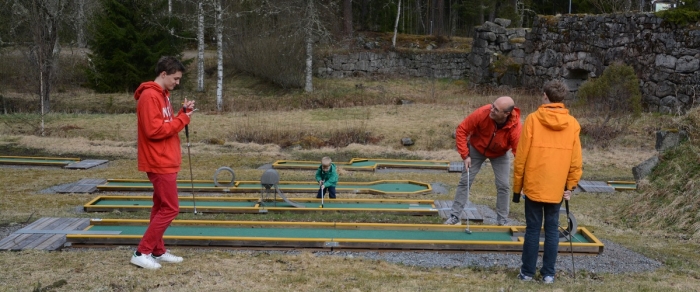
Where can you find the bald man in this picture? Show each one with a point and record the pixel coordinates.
(487, 133)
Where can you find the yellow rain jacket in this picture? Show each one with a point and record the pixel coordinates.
(549, 154)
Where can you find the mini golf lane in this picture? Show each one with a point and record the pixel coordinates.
(623, 185)
(330, 236)
(253, 205)
(382, 187)
(366, 164)
(42, 161)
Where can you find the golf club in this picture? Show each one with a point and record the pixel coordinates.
(322, 194)
(571, 240)
(468, 231)
(189, 159)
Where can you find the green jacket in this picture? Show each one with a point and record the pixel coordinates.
(329, 178)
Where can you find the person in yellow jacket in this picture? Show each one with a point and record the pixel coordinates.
(547, 168)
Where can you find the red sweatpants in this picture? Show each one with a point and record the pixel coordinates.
(165, 209)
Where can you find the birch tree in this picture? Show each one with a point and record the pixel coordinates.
(396, 25)
(44, 18)
(200, 46)
(219, 56)
(314, 28)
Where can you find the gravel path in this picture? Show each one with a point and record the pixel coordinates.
(614, 259)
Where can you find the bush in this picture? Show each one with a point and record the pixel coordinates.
(687, 12)
(608, 101)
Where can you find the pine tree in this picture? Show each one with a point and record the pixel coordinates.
(128, 38)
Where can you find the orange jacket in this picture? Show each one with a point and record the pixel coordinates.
(158, 142)
(549, 159)
(480, 131)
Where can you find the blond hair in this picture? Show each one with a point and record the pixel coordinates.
(326, 161)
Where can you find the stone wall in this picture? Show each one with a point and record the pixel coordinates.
(452, 65)
(573, 48)
(578, 47)
(491, 41)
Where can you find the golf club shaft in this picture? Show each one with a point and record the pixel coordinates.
(571, 240)
(189, 160)
(467, 202)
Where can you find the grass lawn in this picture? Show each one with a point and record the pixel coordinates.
(247, 136)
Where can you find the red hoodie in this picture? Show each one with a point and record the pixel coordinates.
(481, 132)
(158, 141)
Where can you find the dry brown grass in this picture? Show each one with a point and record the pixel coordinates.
(439, 106)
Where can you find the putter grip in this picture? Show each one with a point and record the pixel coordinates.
(516, 198)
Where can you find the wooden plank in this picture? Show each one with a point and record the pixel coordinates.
(37, 222)
(456, 166)
(52, 243)
(37, 238)
(85, 164)
(18, 240)
(26, 241)
(10, 241)
(595, 186)
(50, 236)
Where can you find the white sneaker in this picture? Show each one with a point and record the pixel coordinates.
(548, 279)
(145, 261)
(167, 257)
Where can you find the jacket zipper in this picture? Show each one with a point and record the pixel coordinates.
(490, 140)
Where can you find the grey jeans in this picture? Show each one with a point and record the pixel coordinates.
(501, 169)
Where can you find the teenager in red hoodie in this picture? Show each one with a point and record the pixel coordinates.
(159, 156)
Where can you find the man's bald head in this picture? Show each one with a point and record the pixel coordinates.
(505, 103)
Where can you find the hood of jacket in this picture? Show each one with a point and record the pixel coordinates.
(554, 116)
(148, 85)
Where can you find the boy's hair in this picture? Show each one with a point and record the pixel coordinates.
(555, 90)
(170, 65)
(326, 161)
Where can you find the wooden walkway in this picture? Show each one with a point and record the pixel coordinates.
(595, 186)
(86, 185)
(47, 233)
(470, 212)
(85, 164)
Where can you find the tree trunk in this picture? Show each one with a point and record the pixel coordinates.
(219, 56)
(310, 13)
(420, 16)
(200, 46)
(363, 14)
(481, 10)
(45, 18)
(347, 18)
(440, 17)
(396, 25)
(80, 33)
(308, 84)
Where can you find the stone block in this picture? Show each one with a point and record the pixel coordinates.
(667, 139)
(644, 169)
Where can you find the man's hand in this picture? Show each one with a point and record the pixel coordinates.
(567, 195)
(516, 197)
(320, 182)
(468, 162)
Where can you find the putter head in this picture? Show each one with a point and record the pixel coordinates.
(467, 231)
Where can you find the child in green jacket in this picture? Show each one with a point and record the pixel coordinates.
(327, 178)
